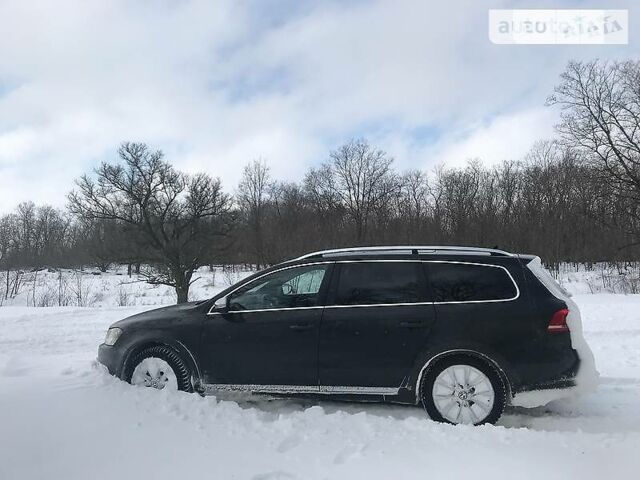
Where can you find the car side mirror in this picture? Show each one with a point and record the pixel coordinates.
(221, 304)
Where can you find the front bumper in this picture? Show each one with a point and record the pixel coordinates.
(110, 357)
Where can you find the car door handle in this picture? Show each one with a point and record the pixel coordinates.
(301, 326)
(412, 324)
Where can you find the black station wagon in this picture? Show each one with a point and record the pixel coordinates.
(463, 331)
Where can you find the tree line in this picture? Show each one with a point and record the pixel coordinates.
(575, 198)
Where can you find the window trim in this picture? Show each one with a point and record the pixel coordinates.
(515, 284)
(419, 271)
(301, 265)
(453, 302)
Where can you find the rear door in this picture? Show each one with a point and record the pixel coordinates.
(479, 306)
(376, 321)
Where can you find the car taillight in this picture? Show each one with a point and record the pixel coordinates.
(558, 322)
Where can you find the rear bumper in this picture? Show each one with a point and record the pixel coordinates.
(539, 398)
(565, 379)
(541, 393)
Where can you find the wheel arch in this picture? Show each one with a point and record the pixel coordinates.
(488, 359)
(154, 341)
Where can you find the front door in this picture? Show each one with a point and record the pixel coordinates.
(267, 337)
(376, 322)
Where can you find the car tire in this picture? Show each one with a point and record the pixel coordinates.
(463, 389)
(179, 375)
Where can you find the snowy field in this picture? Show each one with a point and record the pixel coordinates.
(91, 288)
(63, 417)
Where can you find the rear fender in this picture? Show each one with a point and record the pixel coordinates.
(428, 357)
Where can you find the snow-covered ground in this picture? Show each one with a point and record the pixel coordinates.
(623, 277)
(63, 417)
(91, 288)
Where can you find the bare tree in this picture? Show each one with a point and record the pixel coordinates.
(252, 197)
(359, 178)
(600, 118)
(7, 235)
(412, 203)
(174, 215)
(554, 202)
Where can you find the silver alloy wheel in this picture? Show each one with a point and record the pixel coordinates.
(463, 394)
(155, 373)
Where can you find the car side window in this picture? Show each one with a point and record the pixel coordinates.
(307, 283)
(288, 288)
(374, 283)
(459, 282)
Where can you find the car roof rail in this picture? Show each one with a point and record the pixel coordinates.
(407, 250)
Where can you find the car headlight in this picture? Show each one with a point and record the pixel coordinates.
(112, 336)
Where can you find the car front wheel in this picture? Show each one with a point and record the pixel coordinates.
(463, 390)
(159, 367)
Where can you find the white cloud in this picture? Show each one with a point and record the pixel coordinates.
(215, 86)
(507, 137)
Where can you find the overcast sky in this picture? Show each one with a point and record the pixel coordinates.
(215, 84)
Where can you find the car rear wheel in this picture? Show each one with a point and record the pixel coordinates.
(463, 390)
(159, 367)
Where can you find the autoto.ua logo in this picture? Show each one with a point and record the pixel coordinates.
(559, 26)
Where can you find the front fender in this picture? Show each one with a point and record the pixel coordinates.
(140, 340)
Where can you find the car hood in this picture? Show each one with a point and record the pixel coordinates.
(160, 316)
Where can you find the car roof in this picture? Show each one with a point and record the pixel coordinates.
(419, 253)
(407, 250)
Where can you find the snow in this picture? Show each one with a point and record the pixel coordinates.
(63, 417)
(602, 277)
(92, 288)
(154, 372)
